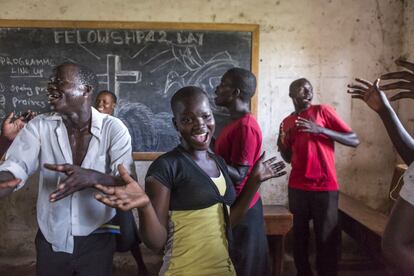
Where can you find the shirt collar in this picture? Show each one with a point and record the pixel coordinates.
(96, 123)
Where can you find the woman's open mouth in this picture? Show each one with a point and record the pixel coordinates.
(200, 138)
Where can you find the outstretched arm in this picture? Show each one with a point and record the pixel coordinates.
(376, 99)
(262, 171)
(152, 206)
(344, 138)
(78, 179)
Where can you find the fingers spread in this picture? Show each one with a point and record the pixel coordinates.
(356, 92)
(9, 118)
(280, 174)
(105, 200)
(270, 161)
(124, 174)
(10, 184)
(396, 85)
(405, 75)
(106, 189)
(57, 167)
(402, 95)
(363, 81)
(406, 64)
(357, 86)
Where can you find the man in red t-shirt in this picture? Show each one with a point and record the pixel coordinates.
(306, 140)
(239, 143)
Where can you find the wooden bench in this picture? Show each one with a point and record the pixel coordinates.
(363, 224)
(278, 222)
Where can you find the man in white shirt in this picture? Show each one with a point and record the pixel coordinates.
(75, 147)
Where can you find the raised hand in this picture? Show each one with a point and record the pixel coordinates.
(283, 135)
(78, 179)
(264, 170)
(307, 126)
(10, 184)
(11, 127)
(370, 93)
(123, 197)
(405, 83)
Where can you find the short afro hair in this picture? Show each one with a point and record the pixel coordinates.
(244, 80)
(185, 94)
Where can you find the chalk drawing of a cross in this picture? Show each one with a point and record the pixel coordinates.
(114, 76)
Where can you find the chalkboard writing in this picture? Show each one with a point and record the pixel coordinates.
(144, 67)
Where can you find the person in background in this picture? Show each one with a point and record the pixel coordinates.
(189, 206)
(106, 102)
(306, 140)
(398, 239)
(128, 238)
(74, 147)
(239, 144)
(11, 127)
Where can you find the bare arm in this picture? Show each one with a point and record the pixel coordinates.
(398, 240)
(78, 179)
(262, 171)
(154, 218)
(344, 138)
(377, 101)
(153, 206)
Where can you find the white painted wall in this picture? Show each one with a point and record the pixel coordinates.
(327, 41)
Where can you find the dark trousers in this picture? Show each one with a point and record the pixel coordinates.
(250, 251)
(322, 208)
(92, 256)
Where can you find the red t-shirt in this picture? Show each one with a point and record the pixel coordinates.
(240, 143)
(313, 157)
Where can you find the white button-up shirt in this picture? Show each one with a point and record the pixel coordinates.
(45, 140)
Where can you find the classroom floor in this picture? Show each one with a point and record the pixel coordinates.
(346, 269)
(354, 262)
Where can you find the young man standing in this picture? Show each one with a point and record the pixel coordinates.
(306, 140)
(239, 144)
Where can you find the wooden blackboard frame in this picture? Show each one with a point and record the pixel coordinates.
(252, 28)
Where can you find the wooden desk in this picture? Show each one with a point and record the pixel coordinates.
(278, 222)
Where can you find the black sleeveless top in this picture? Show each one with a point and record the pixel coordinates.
(191, 188)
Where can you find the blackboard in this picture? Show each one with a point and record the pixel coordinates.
(144, 64)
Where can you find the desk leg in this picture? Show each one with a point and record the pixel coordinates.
(276, 251)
